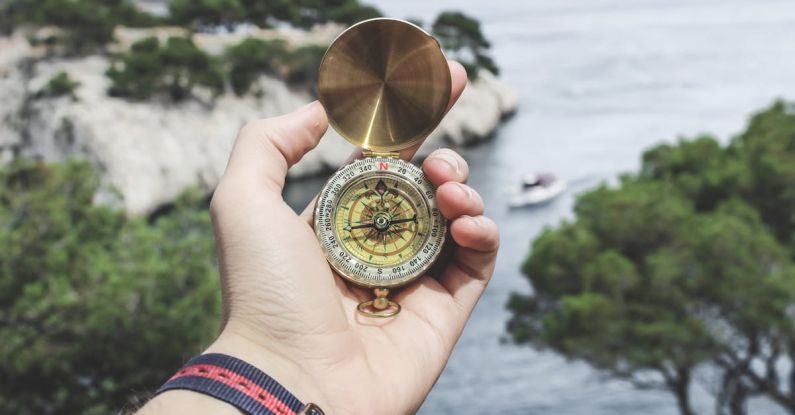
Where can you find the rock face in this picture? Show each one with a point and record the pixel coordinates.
(150, 152)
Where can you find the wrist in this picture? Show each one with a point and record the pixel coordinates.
(289, 373)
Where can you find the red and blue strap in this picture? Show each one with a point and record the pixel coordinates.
(239, 384)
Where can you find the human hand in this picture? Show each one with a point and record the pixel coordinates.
(288, 313)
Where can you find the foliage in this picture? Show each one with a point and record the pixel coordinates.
(6, 19)
(350, 12)
(301, 13)
(87, 24)
(461, 35)
(768, 149)
(150, 69)
(252, 57)
(687, 263)
(758, 166)
(96, 309)
(175, 69)
(207, 12)
(59, 85)
(303, 64)
(307, 13)
(263, 12)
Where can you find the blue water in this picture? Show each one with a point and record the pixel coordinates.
(599, 81)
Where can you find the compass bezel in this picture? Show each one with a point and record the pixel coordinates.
(357, 270)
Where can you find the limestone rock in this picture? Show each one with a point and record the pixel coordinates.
(150, 152)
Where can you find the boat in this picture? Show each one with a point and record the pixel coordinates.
(536, 189)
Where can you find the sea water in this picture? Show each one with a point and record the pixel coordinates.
(599, 82)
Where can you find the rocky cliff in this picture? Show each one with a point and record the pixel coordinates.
(151, 151)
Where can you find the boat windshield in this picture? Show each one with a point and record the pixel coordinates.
(533, 180)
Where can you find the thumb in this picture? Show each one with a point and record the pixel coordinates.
(266, 148)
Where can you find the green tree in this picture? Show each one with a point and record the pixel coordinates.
(307, 13)
(7, 16)
(59, 85)
(174, 69)
(768, 149)
(350, 12)
(301, 13)
(461, 35)
(251, 58)
(95, 308)
(264, 12)
(685, 264)
(757, 166)
(87, 24)
(303, 64)
(207, 13)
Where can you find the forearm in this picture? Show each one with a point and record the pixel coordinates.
(285, 372)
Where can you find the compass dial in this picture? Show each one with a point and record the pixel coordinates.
(378, 222)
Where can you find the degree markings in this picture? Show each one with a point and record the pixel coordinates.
(354, 267)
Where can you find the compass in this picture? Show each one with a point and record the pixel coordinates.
(385, 85)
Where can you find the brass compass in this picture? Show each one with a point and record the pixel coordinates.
(385, 85)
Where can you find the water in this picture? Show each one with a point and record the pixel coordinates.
(599, 82)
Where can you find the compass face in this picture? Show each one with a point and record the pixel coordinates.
(378, 223)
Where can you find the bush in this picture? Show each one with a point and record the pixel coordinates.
(461, 35)
(303, 64)
(88, 24)
(307, 13)
(96, 309)
(6, 19)
(352, 12)
(252, 57)
(690, 262)
(300, 13)
(173, 69)
(59, 85)
(207, 13)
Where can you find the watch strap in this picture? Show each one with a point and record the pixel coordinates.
(238, 383)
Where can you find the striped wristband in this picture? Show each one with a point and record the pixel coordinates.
(239, 384)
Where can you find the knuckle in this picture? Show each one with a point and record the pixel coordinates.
(454, 154)
(493, 233)
(218, 201)
(260, 131)
(253, 128)
(487, 234)
(474, 195)
(453, 157)
(215, 208)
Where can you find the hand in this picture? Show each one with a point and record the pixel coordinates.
(288, 313)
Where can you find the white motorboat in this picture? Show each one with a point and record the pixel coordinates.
(536, 189)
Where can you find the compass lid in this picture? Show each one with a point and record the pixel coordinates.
(385, 84)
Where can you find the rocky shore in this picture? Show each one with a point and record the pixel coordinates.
(149, 151)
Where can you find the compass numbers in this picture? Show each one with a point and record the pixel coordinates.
(378, 223)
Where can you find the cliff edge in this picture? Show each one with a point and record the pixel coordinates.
(151, 151)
